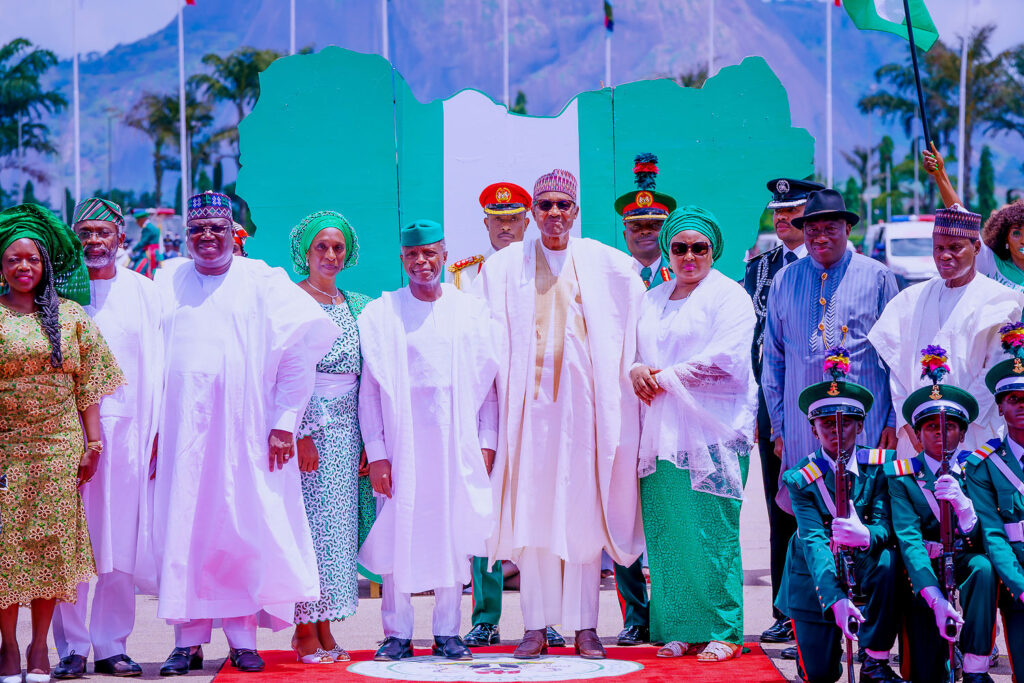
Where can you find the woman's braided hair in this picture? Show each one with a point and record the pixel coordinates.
(49, 307)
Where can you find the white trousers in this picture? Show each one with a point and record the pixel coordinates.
(113, 616)
(397, 614)
(240, 632)
(553, 592)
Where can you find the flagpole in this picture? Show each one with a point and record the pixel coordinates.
(711, 38)
(78, 128)
(384, 29)
(182, 133)
(917, 76)
(962, 116)
(504, 27)
(608, 59)
(291, 29)
(828, 93)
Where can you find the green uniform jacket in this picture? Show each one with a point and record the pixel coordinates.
(913, 521)
(996, 503)
(810, 585)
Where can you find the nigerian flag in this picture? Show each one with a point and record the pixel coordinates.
(889, 16)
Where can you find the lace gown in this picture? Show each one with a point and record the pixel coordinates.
(338, 507)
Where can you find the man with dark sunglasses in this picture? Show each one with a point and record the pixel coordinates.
(567, 462)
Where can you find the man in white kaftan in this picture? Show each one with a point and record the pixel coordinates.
(960, 311)
(126, 307)
(230, 528)
(428, 414)
(566, 472)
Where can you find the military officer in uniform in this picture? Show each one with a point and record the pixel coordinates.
(995, 482)
(788, 199)
(506, 217)
(643, 211)
(915, 489)
(811, 592)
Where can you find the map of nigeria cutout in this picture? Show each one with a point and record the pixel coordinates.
(490, 667)
(342, 130)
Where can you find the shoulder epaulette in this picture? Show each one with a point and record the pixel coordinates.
(764, 254)
(809, 473)
(902, 466)
(985, 450)
(875, 456)
(469, 261)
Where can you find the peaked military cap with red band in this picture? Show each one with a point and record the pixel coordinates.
(644, 203)
(503, 199)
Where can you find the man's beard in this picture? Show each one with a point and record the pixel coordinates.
(101, 261)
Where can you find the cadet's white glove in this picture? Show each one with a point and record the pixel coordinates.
(943, 610)
(842, 610)
(850, 531)
(947, 488)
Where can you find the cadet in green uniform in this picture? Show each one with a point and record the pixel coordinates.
(915, 491)
(811, 592)
(994, 482)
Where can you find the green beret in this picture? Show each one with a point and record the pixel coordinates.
(421, 232)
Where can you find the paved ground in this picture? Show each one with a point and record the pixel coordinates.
(152, 640)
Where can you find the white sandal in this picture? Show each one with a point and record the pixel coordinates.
(719, 651)
(674, 649)
(339, 655)
(321, 656)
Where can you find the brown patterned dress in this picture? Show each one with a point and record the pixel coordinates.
(44, 540)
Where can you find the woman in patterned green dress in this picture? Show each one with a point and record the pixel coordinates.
(339, 503)
(54, 368)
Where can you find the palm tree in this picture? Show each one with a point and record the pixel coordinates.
(198, 117)
(694, 78)
(154, 117)
(940, 78)
(24, 99)
(235, 79)
(862, 162)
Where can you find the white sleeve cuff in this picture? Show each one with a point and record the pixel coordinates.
(375, 451)
(288, 420)
(489, 439)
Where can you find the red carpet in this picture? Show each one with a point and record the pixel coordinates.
(752, 667)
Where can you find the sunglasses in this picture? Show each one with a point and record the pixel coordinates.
(215, 230)
(562, 204)
(682, 249)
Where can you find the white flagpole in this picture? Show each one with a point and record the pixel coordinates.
(711, 39)
(182, 131)
(504, 26)
(78, 129)
(384, 28)
(962, 117)
(291, 31)
(828, 92)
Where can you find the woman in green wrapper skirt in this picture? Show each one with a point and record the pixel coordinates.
(694, 376)
(339, 503)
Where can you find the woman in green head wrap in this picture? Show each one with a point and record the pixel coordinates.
(339, 502)
(54, 368)
(694, 373)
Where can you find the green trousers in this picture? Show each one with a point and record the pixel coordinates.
(631, 587)
(1013, 626)
(488, 584)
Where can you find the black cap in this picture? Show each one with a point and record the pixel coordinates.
(787, 192)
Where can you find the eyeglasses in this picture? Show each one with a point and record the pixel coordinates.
(215, 230)
(546, 204)
(682, 248)
(105, 234)
(825, 230)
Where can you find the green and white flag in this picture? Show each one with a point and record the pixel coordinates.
(889, 16)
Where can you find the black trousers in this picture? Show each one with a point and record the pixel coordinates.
(781, 524)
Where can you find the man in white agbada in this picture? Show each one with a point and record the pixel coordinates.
(428, 413)
(230, 529)
(126, 307)
(961, 311)
(566, 469)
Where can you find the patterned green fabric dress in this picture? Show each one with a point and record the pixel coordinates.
(44, 541)
(693, 550)
(339, 504)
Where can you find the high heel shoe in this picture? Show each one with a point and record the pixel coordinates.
(319, 657)
(339, 655)
(13, 678)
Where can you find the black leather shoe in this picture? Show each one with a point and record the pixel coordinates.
(993, 661)
(181, 661)
(450, 647)
(634, 635)
(878, 671)
(779, 632)
(118, 665)
(246, 660)
(72, 666)
(555, 638)
(790, 653)
(482, 635)
(393, 649)
(977, 678)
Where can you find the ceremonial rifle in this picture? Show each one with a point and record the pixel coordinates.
(947, 535)
(844, 561)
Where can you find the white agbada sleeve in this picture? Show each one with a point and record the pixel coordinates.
(291, 390)
(371, 419)
(487, 420)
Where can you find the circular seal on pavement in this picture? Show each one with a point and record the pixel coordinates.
(491, 667)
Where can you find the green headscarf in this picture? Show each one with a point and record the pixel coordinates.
(691, 218)
(70, 276)
(304, 233)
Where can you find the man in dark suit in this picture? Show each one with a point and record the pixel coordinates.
(788, 199)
